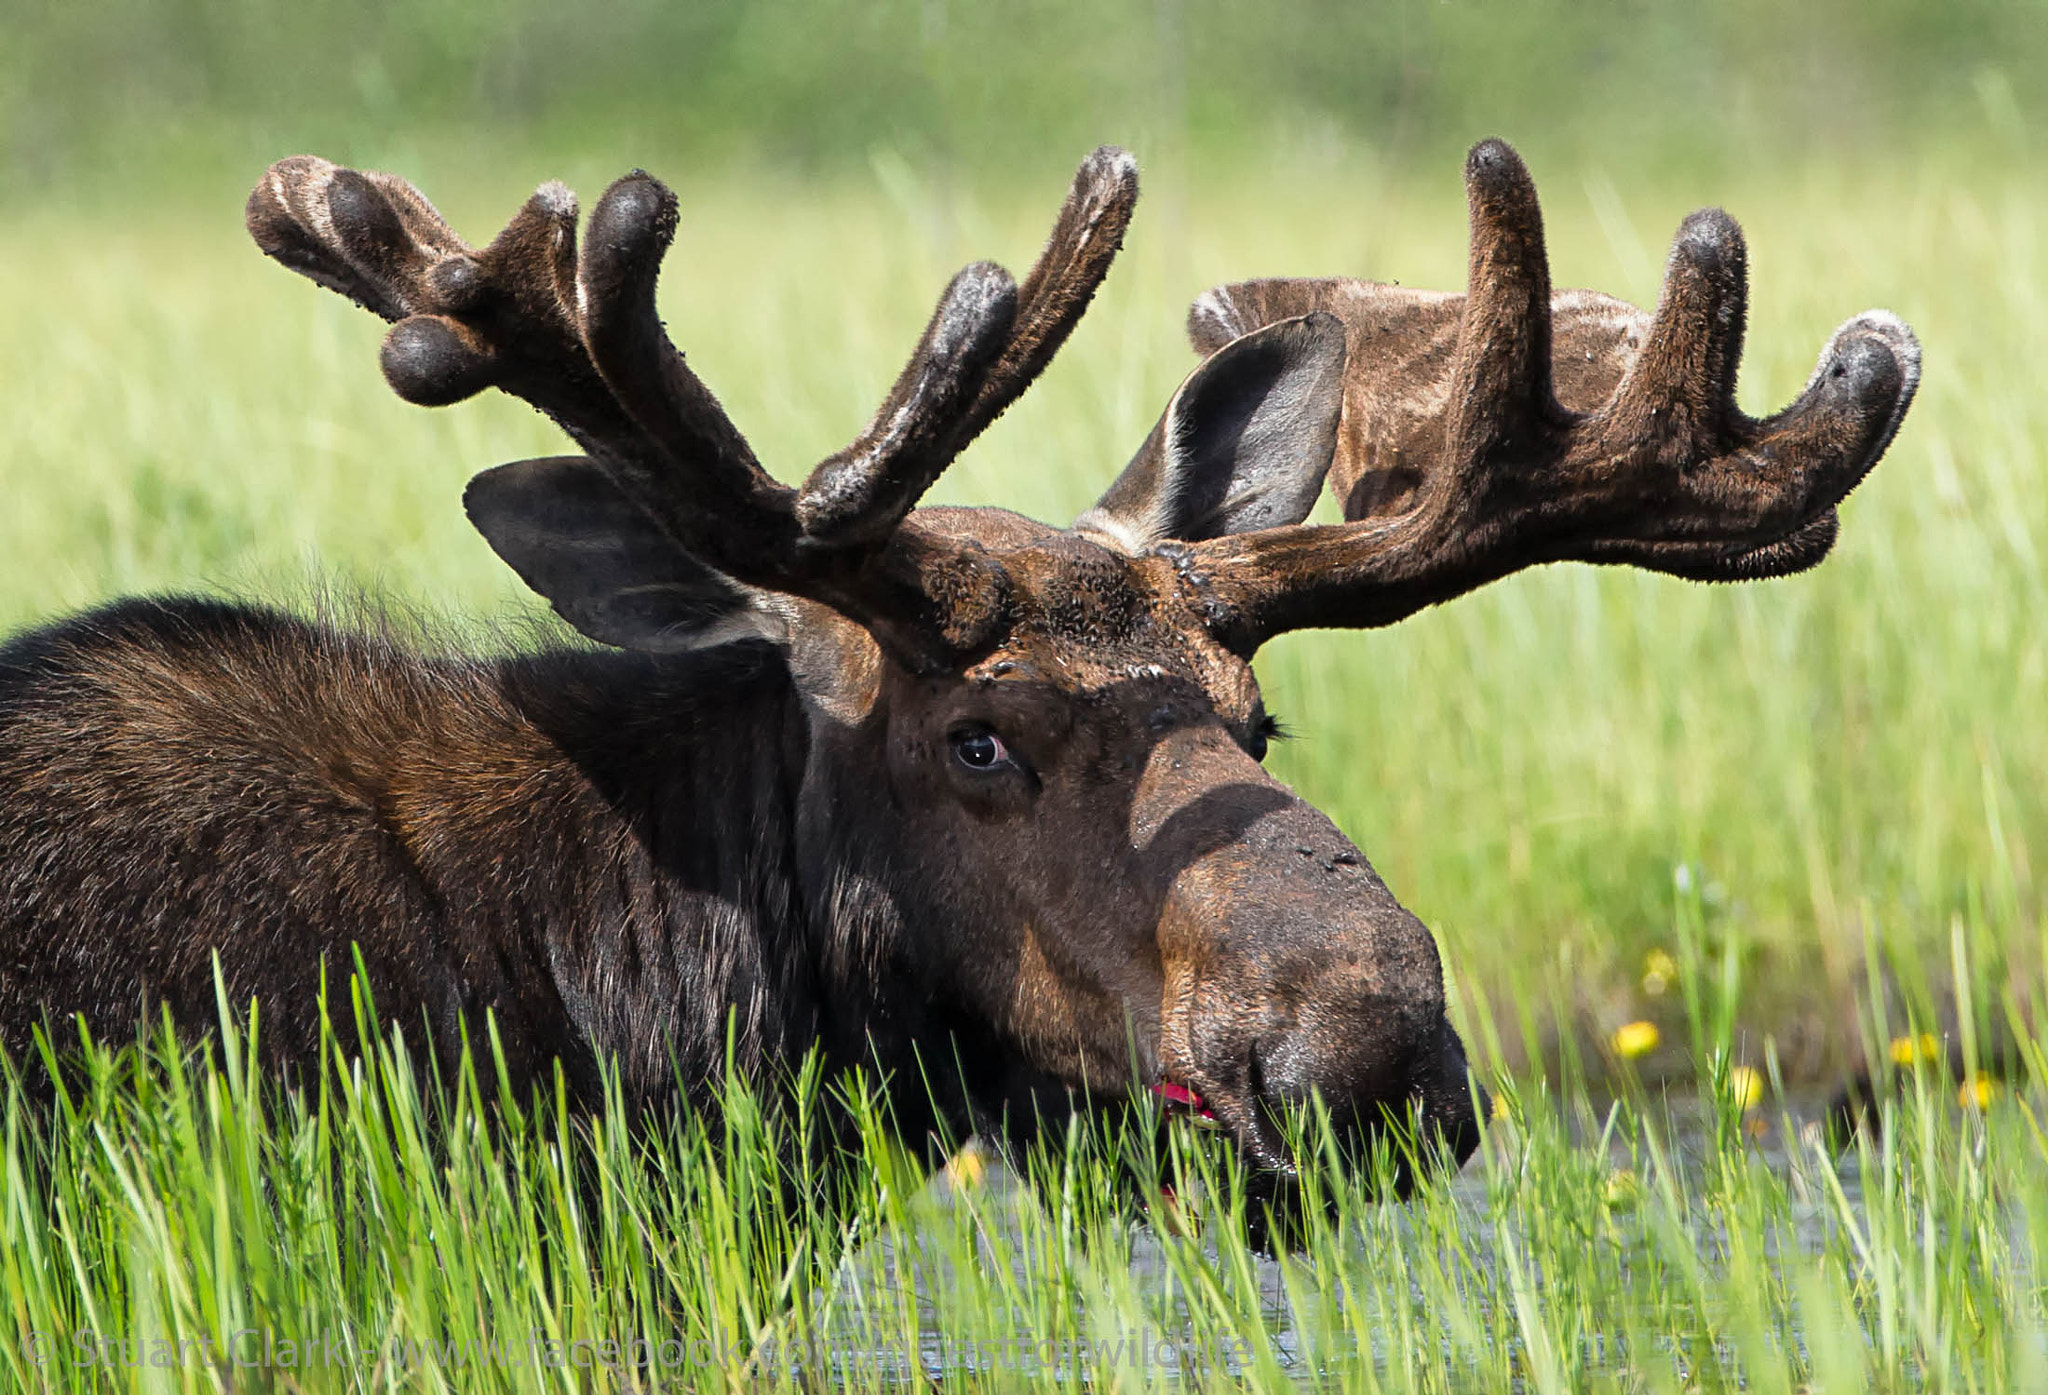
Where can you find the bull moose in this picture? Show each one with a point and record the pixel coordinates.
(970, 801)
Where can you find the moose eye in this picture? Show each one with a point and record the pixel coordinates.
(978, 748)
(1265, 731)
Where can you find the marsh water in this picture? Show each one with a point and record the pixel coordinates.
(880, 1298)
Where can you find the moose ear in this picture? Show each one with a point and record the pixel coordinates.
(1244, 444)
(603, 563)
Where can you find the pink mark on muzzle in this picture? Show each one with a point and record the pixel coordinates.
(1181, 1097)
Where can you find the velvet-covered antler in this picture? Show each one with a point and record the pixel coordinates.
(576, 334)
(1506, 427)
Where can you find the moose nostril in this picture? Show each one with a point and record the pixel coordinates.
(1361, 1063)
(1281, 1070)
(1352, 1072)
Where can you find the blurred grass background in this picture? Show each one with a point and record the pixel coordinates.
(1818, 775)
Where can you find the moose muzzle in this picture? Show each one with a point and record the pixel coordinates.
(1293, 975)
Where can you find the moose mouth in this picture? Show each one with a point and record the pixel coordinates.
(1258, 1141)
(1277, 1214)
(1391, 1147)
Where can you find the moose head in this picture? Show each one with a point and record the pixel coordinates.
(1031, 836)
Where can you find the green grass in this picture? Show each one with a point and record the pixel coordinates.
(175, 1223)
(1821, 797)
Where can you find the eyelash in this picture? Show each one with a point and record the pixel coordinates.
(1265, 731)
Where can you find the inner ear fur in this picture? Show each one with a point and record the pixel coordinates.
(1243, 445)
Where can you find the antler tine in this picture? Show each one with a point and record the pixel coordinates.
(1085, 239)
(1500, 379)
(365, 235)
(630, 231)
(1688, 361)
(985, 344)
(864, 490)
(1468, 467)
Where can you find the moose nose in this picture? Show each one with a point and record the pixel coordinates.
(1367, 1089)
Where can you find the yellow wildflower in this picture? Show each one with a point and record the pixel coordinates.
(1978, 1091)
(1659, 969)
(1909, 1050)
(1635, 1039)
(1745, 1087)
(966, 1168)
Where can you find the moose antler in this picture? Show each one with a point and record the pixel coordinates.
(929, 419)
(577, 335)
(1459, 463)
